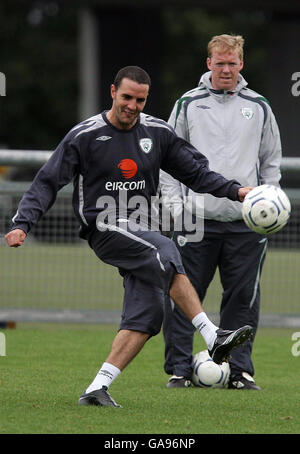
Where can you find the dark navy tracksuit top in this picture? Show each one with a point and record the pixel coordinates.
(102, 160)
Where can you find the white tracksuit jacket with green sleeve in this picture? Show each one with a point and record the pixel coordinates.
(237, 132)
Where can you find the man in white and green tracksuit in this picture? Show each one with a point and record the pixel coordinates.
(235, 128)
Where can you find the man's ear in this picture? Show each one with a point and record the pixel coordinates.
(208, 63)
(113, 91)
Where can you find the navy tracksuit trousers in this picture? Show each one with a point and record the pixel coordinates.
(238, 254)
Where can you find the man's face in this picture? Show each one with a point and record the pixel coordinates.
(128, 101)
(225, 68)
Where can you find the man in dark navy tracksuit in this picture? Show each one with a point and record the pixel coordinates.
(115, 154)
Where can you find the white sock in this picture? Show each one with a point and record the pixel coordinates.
(106, 375)
(206, 328)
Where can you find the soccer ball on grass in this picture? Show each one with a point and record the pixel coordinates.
(266, 209)
(208, 374)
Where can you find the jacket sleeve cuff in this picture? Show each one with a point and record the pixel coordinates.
(23, 227)
(233, 193)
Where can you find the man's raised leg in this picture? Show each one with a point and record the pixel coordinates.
(219, 342)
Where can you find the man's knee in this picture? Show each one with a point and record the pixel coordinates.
(143, 306)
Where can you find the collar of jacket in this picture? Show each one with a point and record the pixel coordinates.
(221, 95)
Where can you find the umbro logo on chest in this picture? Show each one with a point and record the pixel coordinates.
(103, 138)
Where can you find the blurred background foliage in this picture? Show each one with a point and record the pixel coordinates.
(39, 58)
(187, 33)
(39, 42)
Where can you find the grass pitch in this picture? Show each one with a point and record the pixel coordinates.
(47, 366)
(72, 277)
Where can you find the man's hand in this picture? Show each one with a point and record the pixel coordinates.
(15, 238)
(242, 192)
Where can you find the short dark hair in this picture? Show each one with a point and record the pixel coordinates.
(134, 73)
